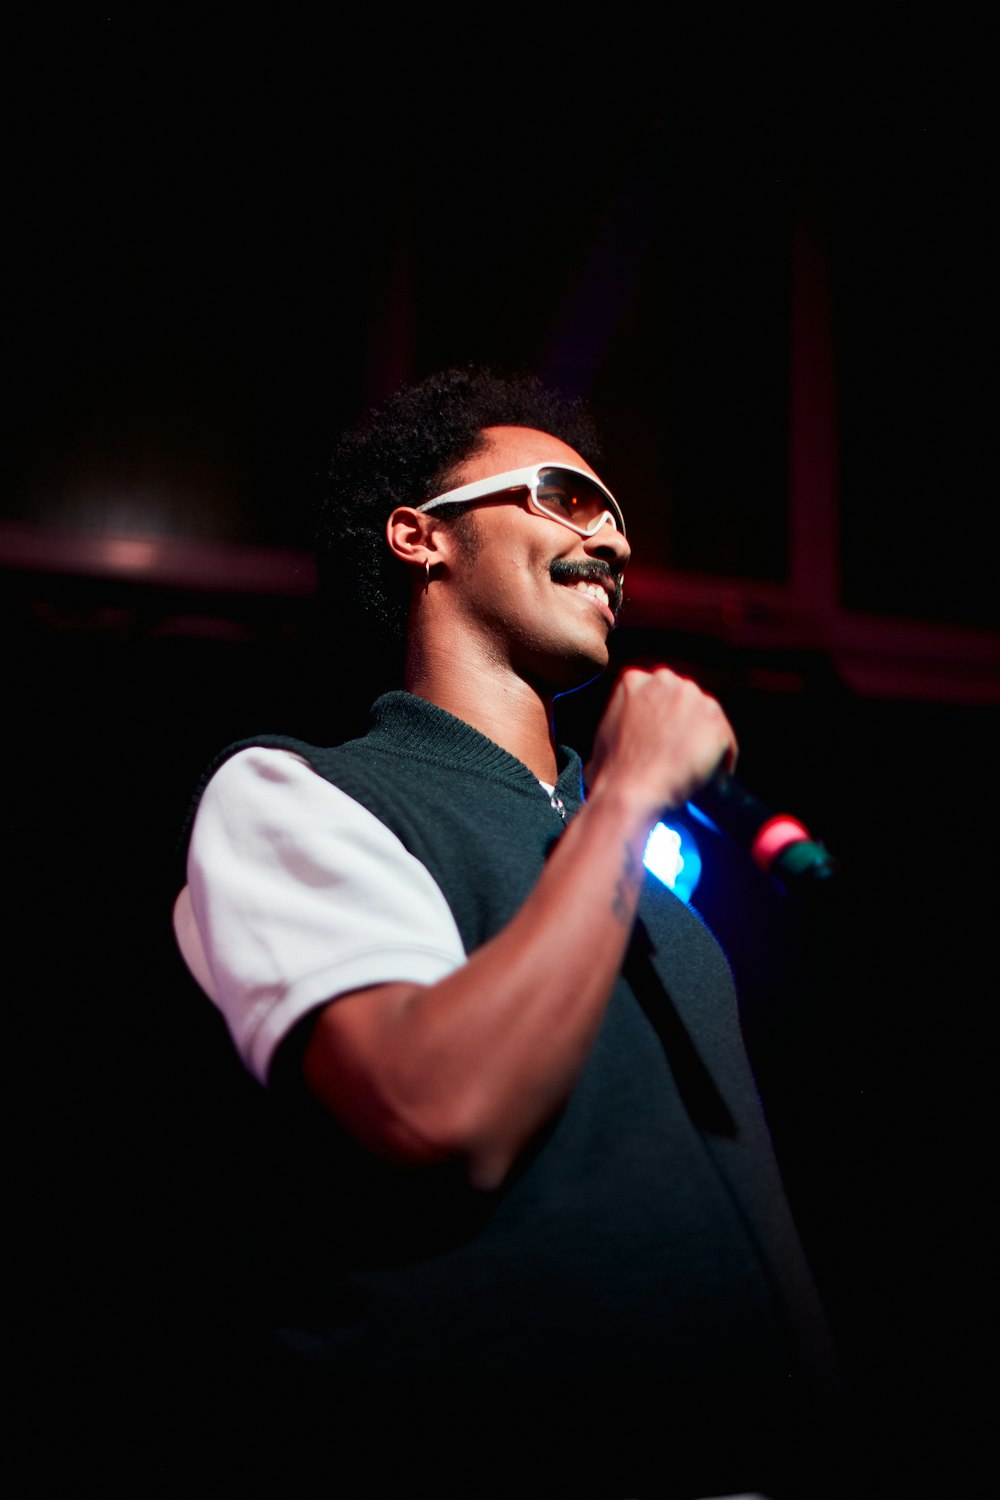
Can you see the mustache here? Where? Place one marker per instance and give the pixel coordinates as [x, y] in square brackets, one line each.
[593, 570]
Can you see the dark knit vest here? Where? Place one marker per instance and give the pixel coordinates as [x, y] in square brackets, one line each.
[645, 1231]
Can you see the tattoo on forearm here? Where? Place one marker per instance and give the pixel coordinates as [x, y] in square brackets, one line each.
[627, 887]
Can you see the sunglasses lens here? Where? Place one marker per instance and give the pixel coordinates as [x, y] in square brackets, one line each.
[572, 497]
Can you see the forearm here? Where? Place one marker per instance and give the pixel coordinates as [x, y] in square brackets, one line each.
[474, 1066]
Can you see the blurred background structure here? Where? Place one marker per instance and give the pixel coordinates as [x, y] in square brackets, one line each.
[769, 265]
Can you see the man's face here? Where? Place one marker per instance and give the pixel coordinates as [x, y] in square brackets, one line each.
[532, 593]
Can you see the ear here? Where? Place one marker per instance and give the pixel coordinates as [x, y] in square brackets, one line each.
[417, 538]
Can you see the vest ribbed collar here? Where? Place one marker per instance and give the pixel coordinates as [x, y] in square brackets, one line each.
[414, 727]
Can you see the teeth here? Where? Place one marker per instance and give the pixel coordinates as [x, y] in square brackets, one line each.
[593, 591]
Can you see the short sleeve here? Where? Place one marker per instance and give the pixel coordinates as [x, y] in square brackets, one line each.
[296, 894]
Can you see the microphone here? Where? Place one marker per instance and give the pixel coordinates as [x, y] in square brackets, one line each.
[778, 843]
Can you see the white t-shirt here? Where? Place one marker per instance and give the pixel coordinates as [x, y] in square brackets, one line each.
[296, 894]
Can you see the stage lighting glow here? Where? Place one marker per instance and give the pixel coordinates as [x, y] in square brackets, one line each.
[672, 856]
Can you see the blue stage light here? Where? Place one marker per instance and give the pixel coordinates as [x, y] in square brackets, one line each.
[673, 857]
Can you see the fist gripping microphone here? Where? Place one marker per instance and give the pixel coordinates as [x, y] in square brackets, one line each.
[778, 843]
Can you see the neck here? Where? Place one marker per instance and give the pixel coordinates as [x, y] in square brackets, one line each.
[511, 712]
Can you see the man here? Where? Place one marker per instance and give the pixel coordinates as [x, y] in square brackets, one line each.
[537, 1239]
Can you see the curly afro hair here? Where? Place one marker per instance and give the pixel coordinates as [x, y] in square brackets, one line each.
[402, 453]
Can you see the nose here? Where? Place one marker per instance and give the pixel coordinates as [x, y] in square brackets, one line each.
[610, 545]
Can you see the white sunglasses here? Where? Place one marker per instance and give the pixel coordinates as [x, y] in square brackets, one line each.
[559, 492]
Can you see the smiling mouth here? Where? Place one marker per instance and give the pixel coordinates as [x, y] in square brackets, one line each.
[594, 580]
[591, 591]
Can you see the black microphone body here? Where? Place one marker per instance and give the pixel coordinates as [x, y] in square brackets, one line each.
[779, 843]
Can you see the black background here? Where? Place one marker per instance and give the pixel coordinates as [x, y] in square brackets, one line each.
[222, 241]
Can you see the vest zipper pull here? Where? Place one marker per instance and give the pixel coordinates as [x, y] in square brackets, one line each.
[559, 805]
